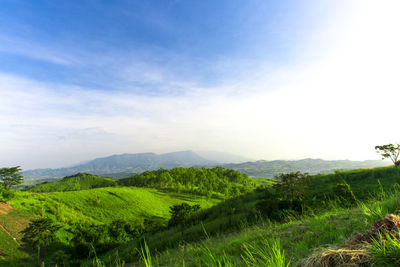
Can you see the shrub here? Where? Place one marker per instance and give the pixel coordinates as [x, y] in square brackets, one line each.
[344, 193]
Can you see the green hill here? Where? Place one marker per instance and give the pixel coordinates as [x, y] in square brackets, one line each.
[257, 228]
[79, 181]
[95, 206]
[220, 232]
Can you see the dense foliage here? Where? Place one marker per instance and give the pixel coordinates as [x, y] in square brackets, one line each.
[79, 181]
[200, 181]
[10, 177]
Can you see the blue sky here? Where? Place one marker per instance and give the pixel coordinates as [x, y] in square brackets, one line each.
[266, 79]
[87, 43]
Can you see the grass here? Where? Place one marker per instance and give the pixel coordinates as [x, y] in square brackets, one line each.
[293, 241]
[385, 250]
[11, 223]
[263, 181]
[209, 243]
[102, 205]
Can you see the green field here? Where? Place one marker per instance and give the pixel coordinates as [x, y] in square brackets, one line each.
[102, 205]
[225, 232]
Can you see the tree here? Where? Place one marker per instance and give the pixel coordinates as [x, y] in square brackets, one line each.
[39, 234]
[294, 183]
[389, 151]
[10, 176]
[180, 214]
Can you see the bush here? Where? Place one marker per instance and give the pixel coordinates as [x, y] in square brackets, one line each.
[344, 194]
[6, 194]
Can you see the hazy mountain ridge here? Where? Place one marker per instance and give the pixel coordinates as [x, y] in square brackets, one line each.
[120, 166]
[269, 169]
[125, 163]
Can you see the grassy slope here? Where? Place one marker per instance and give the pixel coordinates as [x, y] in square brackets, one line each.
[101, 205]
[11, 223]
[298, 237]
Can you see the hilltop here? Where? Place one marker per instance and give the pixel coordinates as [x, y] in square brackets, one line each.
[79, 181]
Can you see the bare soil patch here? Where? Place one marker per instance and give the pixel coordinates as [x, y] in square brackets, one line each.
[5, 208]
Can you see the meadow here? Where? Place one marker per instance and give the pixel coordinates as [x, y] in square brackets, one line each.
[264, 226]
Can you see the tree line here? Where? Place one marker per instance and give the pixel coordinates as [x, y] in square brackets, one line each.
[202, 181]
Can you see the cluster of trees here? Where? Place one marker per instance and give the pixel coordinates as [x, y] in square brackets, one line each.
[87, 239]
[202, 181]
[284, 196]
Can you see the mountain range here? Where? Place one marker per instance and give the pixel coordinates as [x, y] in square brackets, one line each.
[123, 165]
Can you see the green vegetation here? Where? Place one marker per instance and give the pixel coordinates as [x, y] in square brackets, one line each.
[79, 181]
[284, 222]
[270, 169]
[390, 151]
[10, 177]
[82, 213]
[199, 181]
[39, 234]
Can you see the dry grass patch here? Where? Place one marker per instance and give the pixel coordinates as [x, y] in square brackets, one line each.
[354, 252]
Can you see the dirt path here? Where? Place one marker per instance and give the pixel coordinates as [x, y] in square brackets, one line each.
[5, 208]
[5, 230]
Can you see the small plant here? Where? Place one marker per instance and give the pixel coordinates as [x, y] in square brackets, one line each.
[385, 250]
[344, 193]
[145, 255]
[269, 254]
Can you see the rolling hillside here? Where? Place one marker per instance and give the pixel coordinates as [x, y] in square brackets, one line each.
[94, 206]
[230, 232]
[228, 235]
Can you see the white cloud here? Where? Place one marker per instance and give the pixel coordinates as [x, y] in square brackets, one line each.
[339, 103]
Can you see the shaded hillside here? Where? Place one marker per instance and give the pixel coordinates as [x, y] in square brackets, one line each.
[324, 219]
[80, 181]
[270, 169]
[127, 163]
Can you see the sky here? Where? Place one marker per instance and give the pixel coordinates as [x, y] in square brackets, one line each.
[263, 79]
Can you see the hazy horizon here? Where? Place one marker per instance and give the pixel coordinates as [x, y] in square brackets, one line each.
[261, 79]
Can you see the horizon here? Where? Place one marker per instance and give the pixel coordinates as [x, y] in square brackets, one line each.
[262, 79]
[197, 153]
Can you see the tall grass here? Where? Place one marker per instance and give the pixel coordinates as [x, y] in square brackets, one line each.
[146, 255]
[385, 250]
[269, 254]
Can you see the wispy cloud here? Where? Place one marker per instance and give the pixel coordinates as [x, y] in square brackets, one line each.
[338, 102]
